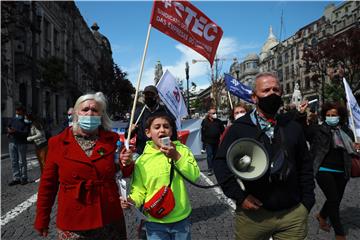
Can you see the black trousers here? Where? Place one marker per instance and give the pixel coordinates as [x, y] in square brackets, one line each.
[333, 186]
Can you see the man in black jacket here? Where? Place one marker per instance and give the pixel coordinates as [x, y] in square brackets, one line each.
[270, 206]
[211, 130]
[17, 132]
[152, 106]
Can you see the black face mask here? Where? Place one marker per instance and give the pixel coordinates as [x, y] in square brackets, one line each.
[150, 102]
[270, 104]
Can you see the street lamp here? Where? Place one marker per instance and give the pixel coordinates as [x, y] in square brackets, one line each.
[187, 85]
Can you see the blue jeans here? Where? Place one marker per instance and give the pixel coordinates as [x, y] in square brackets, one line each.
[168, 231]
[211, 150]
[17, 154]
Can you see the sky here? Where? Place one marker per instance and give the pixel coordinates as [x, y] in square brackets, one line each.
[245, 25]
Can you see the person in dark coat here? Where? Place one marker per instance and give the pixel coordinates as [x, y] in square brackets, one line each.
[152, 106]
[211, 130]
[17, 132]
[276, 204]
[331, 150]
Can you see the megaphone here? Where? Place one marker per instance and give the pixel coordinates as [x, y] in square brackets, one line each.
[247, 159]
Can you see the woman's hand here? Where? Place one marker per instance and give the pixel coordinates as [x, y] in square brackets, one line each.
[170, 152]
[126, 157]
[126, 204]
[43, 232]
[357, 147]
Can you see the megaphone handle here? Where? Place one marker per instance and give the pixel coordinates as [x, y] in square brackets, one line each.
[240, 183]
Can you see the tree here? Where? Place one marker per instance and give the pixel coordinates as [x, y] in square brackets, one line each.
[53, 72]
[335, 57]
[119, 91]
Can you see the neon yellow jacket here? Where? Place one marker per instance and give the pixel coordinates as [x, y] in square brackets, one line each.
[152, 171]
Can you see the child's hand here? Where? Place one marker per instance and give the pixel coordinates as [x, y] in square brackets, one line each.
[125, 157]
[171, 152]
[126, 204]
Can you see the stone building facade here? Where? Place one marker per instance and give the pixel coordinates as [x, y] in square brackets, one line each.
[285, 58]
[49, 58]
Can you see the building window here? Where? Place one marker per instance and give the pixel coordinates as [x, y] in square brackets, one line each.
[279, 61]
[287, 88]
[286, 57]
[286, 73]
[56, 43]
[47, 38]
[280, 75]
[307, 83]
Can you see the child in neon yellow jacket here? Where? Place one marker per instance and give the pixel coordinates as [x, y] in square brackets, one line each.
[152, 171]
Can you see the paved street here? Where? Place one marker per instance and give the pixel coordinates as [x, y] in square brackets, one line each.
[212, 216]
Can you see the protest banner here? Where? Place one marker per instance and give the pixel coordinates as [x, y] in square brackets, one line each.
[185, 23]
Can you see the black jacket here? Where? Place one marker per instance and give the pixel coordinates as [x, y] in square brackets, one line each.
[141, 137]
[211, 130]
[298, 188]
[321, 145]
[22, 130]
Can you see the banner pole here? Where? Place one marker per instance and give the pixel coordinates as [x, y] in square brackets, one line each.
[231, 105]
[127, 142]
[143, 109]
[350, 112]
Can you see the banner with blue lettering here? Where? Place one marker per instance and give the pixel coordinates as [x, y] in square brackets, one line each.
[238, 89]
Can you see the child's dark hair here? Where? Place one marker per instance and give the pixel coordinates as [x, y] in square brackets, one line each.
[154, 116]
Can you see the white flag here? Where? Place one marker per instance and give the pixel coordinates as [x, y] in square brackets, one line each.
[354, 109]
[171, 96]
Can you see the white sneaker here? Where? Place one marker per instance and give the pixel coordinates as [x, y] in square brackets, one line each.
[203, 151]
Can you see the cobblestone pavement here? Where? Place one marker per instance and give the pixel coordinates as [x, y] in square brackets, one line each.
[212, 217]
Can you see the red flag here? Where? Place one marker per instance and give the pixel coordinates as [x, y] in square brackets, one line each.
[184, 22]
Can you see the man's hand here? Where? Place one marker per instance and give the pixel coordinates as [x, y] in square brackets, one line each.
[303, 106]
[125, 157]
[251, 203]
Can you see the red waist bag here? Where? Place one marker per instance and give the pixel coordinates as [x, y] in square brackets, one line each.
[163, 202]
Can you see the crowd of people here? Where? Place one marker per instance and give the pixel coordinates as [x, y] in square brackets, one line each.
[80, 165]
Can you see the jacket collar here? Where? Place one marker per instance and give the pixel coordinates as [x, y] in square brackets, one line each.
[105, 145]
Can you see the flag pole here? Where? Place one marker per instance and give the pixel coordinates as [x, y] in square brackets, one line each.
[143, 109]
[231, 105]
[350, 111]
[127, 142]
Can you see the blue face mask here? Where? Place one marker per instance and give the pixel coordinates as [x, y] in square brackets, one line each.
[332, 121]
[70, 118]
[19, 116]
[27, 121]
[89, 123]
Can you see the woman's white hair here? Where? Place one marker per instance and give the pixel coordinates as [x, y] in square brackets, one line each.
[99, 98]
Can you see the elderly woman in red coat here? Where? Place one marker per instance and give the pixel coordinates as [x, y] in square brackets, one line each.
[80, 167]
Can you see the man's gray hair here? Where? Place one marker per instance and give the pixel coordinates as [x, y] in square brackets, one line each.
[99, 98]
[264, 74]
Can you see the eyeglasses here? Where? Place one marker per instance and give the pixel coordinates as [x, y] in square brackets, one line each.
[212, 113]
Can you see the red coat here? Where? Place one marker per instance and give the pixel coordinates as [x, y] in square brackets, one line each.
[88, 196]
